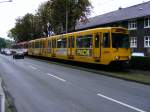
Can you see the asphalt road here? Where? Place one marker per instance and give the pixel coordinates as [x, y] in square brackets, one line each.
[39, 86]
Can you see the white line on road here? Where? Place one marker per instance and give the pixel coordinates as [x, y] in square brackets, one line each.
[54, 76]
[121, 103]
[32, 67]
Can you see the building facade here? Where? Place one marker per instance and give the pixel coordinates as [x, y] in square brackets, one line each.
[135, 18]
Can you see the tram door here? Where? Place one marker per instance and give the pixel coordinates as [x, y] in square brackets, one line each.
[70, 49]
[44, 47]
[97, 49]
[40, 47]
[105, 48]
[53, 47]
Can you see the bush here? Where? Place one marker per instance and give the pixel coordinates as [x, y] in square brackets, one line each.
[142, 63]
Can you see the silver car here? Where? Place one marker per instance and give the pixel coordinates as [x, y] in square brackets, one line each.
[18, 54]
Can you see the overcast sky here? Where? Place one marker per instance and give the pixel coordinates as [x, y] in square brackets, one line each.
[9, 11]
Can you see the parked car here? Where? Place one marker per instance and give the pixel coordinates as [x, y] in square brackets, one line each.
[7, 52]
[2, 51]
[18, 54]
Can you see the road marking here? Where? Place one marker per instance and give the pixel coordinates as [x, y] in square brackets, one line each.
[54, 76]
[121, 103]
[32, 67]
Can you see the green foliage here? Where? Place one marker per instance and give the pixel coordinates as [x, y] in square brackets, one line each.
[5, 43]
[76, 10]
[142, 63]
[2, 43]
[54, 12]
[44, 16]
[23, 29]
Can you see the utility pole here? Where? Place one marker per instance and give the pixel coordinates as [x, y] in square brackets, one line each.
[66, 20]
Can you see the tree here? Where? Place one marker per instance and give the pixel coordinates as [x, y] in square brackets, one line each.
[24, 28]
[55, 12]
[74, 10]
[2, 43]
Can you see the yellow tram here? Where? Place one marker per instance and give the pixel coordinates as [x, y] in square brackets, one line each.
[99, 45]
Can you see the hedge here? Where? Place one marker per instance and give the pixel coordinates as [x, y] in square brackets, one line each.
[142, 63]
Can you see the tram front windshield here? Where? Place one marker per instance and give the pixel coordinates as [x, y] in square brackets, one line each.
[120, 40]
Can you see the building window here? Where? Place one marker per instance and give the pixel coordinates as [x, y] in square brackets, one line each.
[132, 24]
[147, 22]
[146, 41]
[133, 42]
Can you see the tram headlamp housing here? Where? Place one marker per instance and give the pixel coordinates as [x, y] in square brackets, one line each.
[129, 57]
[117, 57]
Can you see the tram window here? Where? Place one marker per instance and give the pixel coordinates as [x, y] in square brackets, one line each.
[41, 44]
[36, 45]
[84, 41]
[79, 42]
[33, 45]
[54, 44]
[106, 42]
[61, 43]
[28, 46]
[120, 40]
[49, 44]
[71, 41]
[97, 41]
[64, 42]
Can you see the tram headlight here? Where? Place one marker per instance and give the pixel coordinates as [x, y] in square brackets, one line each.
[117, 57]
[129, 57]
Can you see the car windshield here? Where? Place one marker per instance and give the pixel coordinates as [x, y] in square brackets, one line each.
[120, 40]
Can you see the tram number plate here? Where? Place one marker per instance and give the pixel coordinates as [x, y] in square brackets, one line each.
[84, 52]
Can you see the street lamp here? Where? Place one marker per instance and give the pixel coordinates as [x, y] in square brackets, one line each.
[6, 1]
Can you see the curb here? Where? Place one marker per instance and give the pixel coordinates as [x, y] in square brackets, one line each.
[2, 98]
